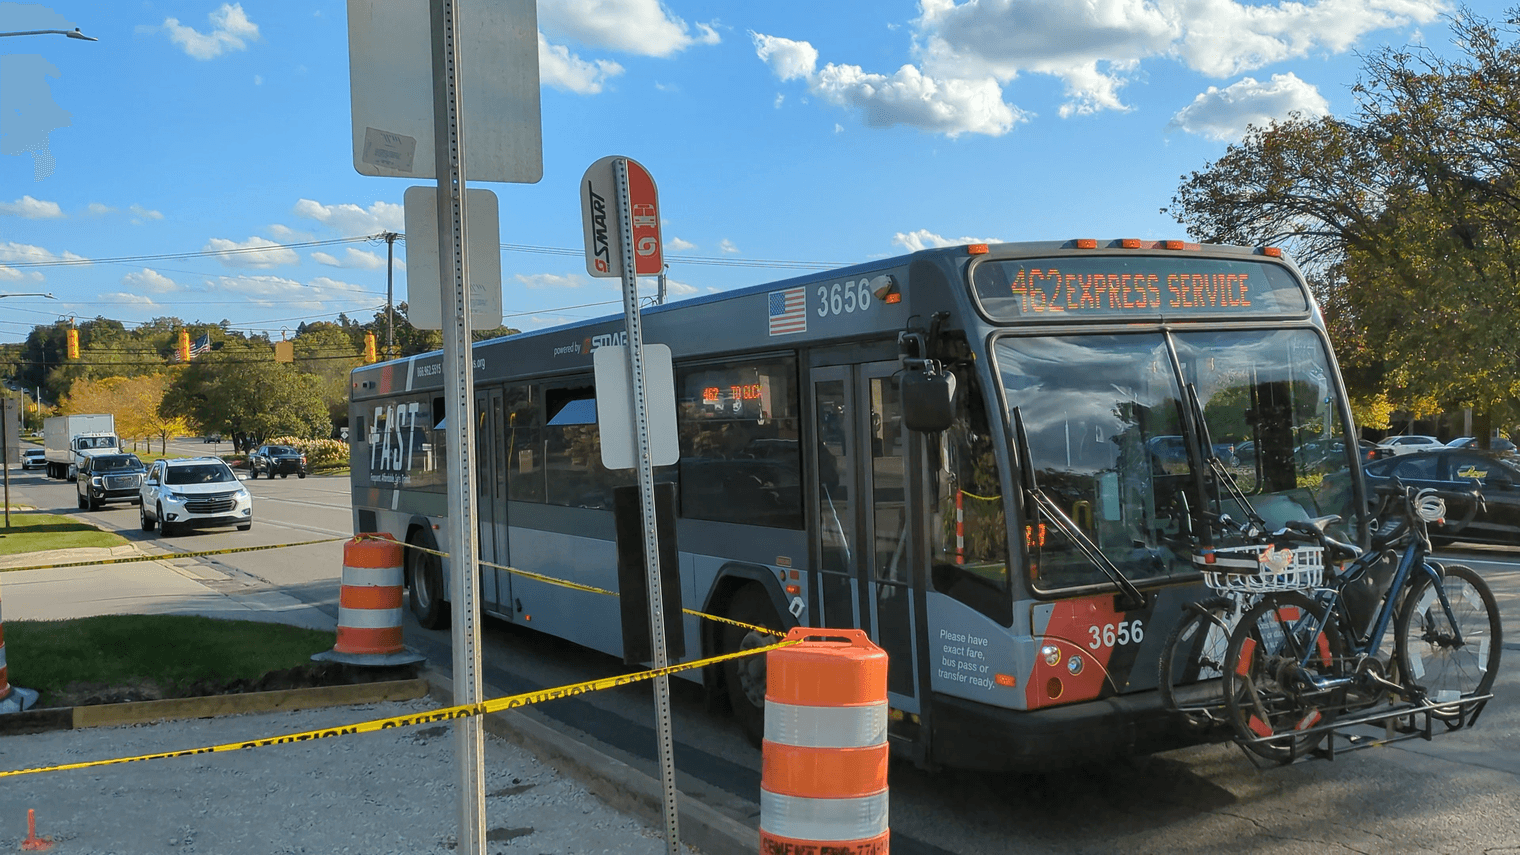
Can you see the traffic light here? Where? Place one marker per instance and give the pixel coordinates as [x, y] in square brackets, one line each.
[183, 350]
[369, 348]
[73, 340]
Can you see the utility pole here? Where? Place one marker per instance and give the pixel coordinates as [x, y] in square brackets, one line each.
[390, 309]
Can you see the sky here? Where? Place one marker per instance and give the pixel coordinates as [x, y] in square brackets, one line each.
[197, 161]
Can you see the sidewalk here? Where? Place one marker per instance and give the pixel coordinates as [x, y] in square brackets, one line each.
[153, 586]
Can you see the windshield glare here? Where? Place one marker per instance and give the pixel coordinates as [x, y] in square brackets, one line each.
[116, 462]
[1107, 437]
[209, 473]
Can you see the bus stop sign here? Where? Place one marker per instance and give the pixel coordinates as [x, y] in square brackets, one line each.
[599, 217]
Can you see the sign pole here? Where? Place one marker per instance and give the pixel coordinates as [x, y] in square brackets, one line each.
[646, 495]
[459, 410]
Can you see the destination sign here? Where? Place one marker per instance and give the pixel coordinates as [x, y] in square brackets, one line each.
[1108, 286]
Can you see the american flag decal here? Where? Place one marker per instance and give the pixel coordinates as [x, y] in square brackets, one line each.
[788, 311]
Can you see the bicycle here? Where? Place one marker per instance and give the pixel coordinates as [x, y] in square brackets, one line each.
[1296, 663]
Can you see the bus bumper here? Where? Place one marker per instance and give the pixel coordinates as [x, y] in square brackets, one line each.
[979, 737]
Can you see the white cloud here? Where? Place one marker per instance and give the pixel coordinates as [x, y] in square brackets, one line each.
[966, 52]
[678, 289]
[550, 280]
[149, 280]
[248, 254]
[351, 220]
[96, 209]
[788, 59]
[230, 30]
[32, 209]
[10, 274]
[25, 252]
[288, 234]
[924, 239]
[560, 68]
[675, 243]
[141, 214]
[352, 257]
[128, 298]
[1223, 114]
[640, 27]
[727, 245]
[288, 293]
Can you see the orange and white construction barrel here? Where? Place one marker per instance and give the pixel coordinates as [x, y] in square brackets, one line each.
[12, 698]
[823, 784]
[370, 605]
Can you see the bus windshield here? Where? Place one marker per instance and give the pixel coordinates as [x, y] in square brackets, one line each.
[1110, 442]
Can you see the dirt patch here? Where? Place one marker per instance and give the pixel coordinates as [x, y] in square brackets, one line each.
[315, 675]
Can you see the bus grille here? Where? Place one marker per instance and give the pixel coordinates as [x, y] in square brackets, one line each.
[213, 504]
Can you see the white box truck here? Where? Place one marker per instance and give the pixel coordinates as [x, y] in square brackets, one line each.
[67, 440]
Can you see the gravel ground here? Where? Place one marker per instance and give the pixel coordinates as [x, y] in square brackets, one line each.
[384, 792]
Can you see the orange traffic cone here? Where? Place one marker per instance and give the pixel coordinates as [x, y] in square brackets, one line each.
[369, 606]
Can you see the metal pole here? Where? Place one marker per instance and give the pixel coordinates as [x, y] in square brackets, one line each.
[659, 299]
[459, 410]
[390, 308]
[5, 452]
[646, 495]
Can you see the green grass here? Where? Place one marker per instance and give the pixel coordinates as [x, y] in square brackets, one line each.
[171, 652]
[36, 532]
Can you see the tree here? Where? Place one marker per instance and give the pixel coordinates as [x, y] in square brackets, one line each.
[326, 352]
[1405, 216]
[241, 391]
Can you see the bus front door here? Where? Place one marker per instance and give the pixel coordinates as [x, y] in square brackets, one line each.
[491, 502]
[861, 515]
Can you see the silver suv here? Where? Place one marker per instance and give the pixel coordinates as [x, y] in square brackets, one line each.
[194, 491]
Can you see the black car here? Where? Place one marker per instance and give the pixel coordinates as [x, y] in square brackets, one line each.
[1495, 478]
[281, 460]
[109, 478]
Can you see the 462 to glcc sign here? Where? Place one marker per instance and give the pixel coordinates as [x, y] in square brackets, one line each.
[601, 218]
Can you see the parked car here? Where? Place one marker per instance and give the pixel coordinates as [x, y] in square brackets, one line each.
[1372, 451]
[194, 491]
[1411, 443]
[34, 458]
[1498, 443]
[109, 478]
[1496, 479]
[281, 460]
[212, 438]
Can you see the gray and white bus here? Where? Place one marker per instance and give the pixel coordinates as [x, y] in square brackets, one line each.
[1021, 563]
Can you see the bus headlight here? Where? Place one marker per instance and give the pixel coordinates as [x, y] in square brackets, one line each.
[1051, 654]
[1074, 665]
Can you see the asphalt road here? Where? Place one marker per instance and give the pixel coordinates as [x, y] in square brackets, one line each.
[1459, 793]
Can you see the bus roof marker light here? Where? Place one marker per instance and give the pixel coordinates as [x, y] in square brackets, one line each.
[888, 291]
[1273, 251]
[1130, 243]
[1086, 243]
[1007, 680]
[976, 249]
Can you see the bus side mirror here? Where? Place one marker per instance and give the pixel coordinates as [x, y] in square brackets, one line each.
[928, 397]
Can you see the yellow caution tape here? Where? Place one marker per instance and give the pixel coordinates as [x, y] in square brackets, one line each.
[574, 586]
[169, 556]
[443, 714]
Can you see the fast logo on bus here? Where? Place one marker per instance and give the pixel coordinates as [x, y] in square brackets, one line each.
[393, 437]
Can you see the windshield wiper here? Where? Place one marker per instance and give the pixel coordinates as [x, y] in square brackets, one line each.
[1131, 597]
[1221, 473]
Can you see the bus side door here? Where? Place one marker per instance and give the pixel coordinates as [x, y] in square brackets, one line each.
[859, 515]
[491, 498]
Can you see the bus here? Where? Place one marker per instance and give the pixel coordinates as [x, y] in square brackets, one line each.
[998, 460]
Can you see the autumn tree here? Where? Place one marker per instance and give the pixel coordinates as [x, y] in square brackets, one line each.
[1404, 215]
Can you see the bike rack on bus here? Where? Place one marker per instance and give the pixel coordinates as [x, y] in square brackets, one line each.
[1398, 723]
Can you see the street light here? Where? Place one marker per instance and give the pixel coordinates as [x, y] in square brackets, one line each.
[73, 34]
[48, 295]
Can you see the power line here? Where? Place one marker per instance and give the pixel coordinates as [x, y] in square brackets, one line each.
[205, 253]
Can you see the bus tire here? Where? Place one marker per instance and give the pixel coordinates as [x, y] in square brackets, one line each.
[744, 679]
[424, 576]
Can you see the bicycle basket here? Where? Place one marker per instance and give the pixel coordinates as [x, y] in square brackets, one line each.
[1262, 568]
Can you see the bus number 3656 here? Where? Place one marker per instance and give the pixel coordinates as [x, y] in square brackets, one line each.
[843, 298]
[1128, 632]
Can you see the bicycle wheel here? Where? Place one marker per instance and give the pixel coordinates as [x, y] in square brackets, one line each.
[1191, 672]
[1430, 656]
[1269, 701]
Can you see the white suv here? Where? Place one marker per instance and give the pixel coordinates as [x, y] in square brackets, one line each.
[1411, 443]
[194, 491]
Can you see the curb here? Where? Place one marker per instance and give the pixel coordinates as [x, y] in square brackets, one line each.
[616, 783]
[138, 712]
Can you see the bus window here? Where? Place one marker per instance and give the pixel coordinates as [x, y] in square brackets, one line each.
[1103, 417]
[740, 460]
[1272, 415]
[970, 529]
[573, 452]
[524, 444]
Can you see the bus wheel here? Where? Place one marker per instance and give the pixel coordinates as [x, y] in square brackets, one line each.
[744, 678]
[424, 575]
